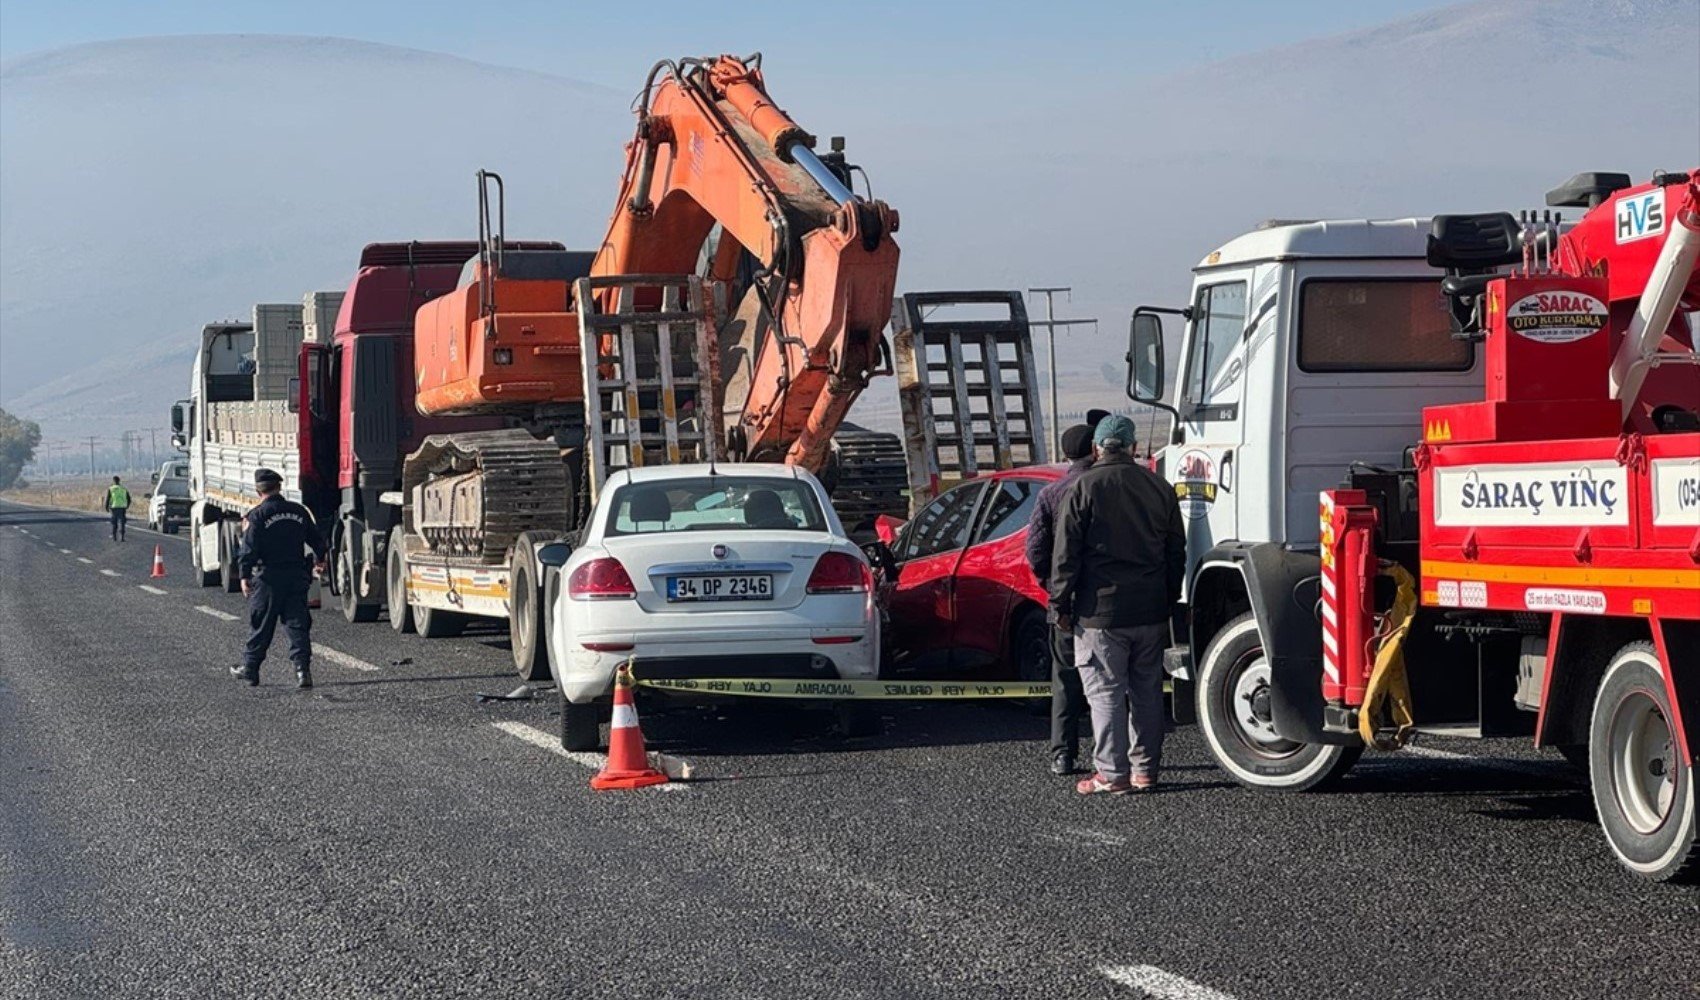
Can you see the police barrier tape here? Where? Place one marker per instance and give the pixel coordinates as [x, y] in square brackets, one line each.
[753, 687]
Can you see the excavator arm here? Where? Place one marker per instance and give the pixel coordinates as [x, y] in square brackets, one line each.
[720, 182]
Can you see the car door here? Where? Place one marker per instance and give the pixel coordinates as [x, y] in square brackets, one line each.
[992, 573]
[922, 600]
[1212, 414]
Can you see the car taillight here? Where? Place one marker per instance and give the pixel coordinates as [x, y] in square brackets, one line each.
[600, 580]
[840, 573]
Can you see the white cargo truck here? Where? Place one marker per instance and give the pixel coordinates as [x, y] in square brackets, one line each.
[239, 417]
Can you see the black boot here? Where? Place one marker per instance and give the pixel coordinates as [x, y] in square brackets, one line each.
[1062, 762]
[245, 673]
[303, 678]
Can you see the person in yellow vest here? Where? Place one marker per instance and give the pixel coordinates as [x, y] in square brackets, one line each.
[117, 503]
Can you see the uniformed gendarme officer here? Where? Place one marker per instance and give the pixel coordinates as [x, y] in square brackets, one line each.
[276, 577]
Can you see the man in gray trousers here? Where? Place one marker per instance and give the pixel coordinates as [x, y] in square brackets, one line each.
[1120, 553]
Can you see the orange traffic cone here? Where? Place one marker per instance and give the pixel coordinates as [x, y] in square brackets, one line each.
[628, 765]
[158, 563]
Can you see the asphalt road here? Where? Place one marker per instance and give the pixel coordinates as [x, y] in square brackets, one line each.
[168, 832]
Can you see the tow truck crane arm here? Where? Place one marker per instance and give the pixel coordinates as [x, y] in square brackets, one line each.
[717, 170]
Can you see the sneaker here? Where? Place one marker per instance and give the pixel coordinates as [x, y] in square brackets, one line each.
[303, 678]
[1097, 784]
[1062, 763]
[249, 674]
[1141, 783]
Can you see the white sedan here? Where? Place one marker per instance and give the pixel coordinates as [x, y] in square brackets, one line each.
[707, 572]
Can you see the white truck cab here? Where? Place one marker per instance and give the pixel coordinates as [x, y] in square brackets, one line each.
[1309, 348]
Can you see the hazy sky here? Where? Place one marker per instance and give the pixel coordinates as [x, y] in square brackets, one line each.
[887, 39]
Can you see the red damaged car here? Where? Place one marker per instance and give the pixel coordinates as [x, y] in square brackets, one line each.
[955, 585]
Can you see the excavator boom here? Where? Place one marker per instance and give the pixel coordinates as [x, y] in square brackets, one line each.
[719, 181]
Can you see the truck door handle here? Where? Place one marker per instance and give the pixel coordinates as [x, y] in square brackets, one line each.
[1227, 467]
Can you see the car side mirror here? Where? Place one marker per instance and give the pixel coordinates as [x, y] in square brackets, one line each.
[554, 554]
[880, 554]
[154, 478]
[1145, 374]
[886, 528]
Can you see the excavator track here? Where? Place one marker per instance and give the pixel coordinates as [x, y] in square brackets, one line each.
[471, 495]
[868, 477]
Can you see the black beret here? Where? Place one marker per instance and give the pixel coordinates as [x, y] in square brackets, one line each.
[266, 476]
[1077, 442]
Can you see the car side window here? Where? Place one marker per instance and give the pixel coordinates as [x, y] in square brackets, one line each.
[1008, 510]
[941, 526]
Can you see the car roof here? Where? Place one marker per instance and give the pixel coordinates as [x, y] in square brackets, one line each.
[696, 470]
[1053, 471]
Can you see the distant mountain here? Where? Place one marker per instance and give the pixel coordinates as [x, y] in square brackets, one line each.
[149, 185]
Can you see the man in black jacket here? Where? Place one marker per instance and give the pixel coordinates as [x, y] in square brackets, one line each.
[1120, 556]
[1068, 701]
[276, 576]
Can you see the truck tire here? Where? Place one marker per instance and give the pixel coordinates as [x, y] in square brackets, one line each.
[395, 591]
[1233, 713]
[528, 615]
[355, 609]
[435, 623]
[581, 726]
[229, 548]
[1643, 789]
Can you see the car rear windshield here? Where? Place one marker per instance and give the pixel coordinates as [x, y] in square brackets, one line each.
[715, 503]
[178, 488]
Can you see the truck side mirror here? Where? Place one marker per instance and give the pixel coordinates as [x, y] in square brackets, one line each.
[154, 478]
[292, 395]
[554, 554]
[1145, 375]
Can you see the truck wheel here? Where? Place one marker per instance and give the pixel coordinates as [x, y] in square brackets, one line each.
[581, 726]
[230, 544]
[401, 614]
[1233, 712]
[355, 608]
[527, 615]
[1643, 790]
[434, 623]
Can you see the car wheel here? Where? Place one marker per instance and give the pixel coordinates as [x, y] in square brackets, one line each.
[581, 726]
[1233, 712]
[528, 628]
[435, 623]
[395, 591]
[1643, 789]
[1031, 647]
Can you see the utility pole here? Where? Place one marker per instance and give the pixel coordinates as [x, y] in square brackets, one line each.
[153, 444]
[1050, 323]
[92, 477]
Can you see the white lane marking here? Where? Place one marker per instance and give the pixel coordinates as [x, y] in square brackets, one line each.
[85, 561]
[151, 590]
[1511, 765]
[109, 572]
[542, 740]
[216, 613]
[337, 656]
[1158, 984]
[545, 741]
[66, 551]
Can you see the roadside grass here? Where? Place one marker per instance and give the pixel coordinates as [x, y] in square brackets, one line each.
[82, 497]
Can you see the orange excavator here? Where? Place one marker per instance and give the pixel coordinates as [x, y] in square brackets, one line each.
[762, 281]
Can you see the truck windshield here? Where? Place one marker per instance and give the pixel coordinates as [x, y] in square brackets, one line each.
[714, 503]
